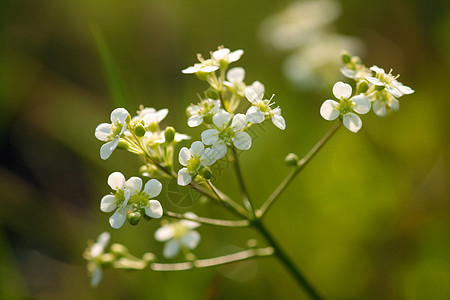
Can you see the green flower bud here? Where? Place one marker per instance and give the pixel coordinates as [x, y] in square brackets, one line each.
[362, 87]
[356, 60]
[212, 93]
[346, 57]
[123, 145]
[206, 173]
[148, 257]
[134, 217]
[107, 259]
[169, 134]
[291, 159]
[202, 75]
[139, 130]
[119, 250]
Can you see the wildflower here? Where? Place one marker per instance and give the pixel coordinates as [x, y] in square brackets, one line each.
[193, 160]
[384, 101]
[261, 109]
[178, 235]
[235, 81]
[205, 109]
[224, 56]
[129, 197]
[389, 82]
[93, 255]
[346, 108]
[111, 133]
[227, 135]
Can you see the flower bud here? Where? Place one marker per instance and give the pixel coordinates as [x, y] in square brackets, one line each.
[148, 257]
[346, 57]
[169, 134]
[212, 93]
[119, 250]
[139, 130]
[134, 217]
[362, 87]
[202, 75]
[206, 173]
[291, 159]
[107, 259]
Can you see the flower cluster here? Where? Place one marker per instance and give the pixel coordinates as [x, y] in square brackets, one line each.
[375, 89]
[224, 127]
[129, 201]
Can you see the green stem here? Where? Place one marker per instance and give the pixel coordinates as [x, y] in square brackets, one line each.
[209, 221]
[228, 203]
[300, 165]
[245, 195]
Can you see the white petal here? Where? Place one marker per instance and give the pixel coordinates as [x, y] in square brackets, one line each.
[190, 70]
[239, 122]
[348, 73]
[279, 121]
[100, 245]
[191, 239]
[154, 209]
[184, 156]
[219, 149]
[379, 108]
[164, 233]
[197, 148]
[119, 115]
[209, 69]
[374, 81]
[181, 137]
[153, 188]
[236, 75]
[406, 90]
[161, 114]
[394, 91]
[208, 157]
[221, 53]
[116, 181]
[328, 110]
[190, 224]
[134, 185]
[362, 104]
[118, 218]
[171, 249]
[221, 119]
[210, 136]
[235, 55]
[258, 87]
[103, 131]
[107, 149]
[96, 276]
[184, 178]
[342, 90]
[195, 121]
[108, 203]
[395, 105]
[251, 95]
[377, 69]
[254, 115]
[242, 140]
[352, 122]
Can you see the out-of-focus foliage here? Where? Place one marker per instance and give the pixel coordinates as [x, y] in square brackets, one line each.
[369, 218]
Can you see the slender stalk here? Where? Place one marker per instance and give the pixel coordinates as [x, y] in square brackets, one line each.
[216, 261]
[209, 221]
[286, 261]
[244, 191]
[300, 165]
[227, 202]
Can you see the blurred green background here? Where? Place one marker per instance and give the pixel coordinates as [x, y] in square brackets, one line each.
[369, 218]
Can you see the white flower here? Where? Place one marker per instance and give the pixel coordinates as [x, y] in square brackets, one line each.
[206, 108]
[224, 55]
[178, 235]
[111, 133]
[235, 80]
[359, 73]
[93, 254]
[205, 66]
[193, 160]
[150, 116]
[331, 109]
[128, 196]
[226, 135]
[261, 108]
[389, 82]
[384, 101]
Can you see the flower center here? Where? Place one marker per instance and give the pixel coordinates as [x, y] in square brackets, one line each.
[345, 106]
